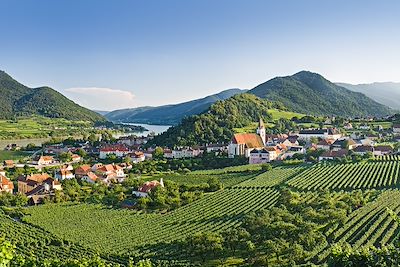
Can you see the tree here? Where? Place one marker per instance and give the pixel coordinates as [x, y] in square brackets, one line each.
[205, 245]
[65, 157]
[158, 153]
[7, 251]
[266, 167]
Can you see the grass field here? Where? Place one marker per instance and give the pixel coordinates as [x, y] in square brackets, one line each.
[13, 155]
[281, 114]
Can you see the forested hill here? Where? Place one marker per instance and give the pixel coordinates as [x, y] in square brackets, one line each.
[217, 123]
[17, 99]
[310, 93]
[169, 114]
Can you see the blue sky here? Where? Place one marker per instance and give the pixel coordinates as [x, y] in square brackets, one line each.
[117, 54]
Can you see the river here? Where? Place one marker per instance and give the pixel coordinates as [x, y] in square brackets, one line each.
[157, 129]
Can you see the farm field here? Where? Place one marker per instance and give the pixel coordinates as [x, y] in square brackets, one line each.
[13, 155]
[30, 240]
[91, 225]
[36, 127]
[382, 173]
[227, 179]
[116, 232]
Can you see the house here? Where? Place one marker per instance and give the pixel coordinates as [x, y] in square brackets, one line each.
[363, 149]
[9, 163]
[111, 172]
[118, 150]
[292, 151]
[28, 183]
[45, 160]
[82, 171]
[137, 157]
[382, 150]
[217, 148]
[43, 190]
[396, 128]
[324, 144]
[367, 142]
[144, 190]
[63, 174]
[76, 158]
[182, 153]
[6, 185]
[327, 133]
[334, 154]
[90, 177]
[348, 126]
[258, 156]
[344, 143]
[274, 139]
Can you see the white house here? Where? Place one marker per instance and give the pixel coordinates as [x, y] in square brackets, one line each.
[137, 157]
[329, 133]
[118, 150]
[90, 177]
[63, 174]
[258, 156]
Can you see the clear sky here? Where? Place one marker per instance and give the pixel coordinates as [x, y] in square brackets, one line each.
[116, 54]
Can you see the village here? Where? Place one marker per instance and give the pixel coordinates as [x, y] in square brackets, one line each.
[109, 163]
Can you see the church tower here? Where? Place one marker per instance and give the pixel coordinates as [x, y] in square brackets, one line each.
[261, 131]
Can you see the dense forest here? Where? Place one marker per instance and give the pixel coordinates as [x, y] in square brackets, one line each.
[310, 93]
[19, 100]
[217, 123]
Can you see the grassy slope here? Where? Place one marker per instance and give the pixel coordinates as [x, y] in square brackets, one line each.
[13, 155]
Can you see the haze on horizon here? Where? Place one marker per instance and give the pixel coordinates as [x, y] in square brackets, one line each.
[108, 55]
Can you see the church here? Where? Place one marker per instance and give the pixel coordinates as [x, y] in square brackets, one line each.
[243, 143]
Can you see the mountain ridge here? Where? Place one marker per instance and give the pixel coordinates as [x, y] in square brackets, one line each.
[170, 114]
[17, 99]
[310, 93]
[387, 93]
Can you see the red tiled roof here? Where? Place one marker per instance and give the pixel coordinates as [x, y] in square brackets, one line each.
[114, 148]
[148, 186]
[5, 182]
[251, 140]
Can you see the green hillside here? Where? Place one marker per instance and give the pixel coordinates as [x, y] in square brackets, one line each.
[310, 93]
[19, 100]
[169, 114]
[217, 123]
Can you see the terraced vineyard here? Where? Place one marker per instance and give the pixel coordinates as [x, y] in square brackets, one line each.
[369, 225]
[271, 178]
[30, 240]
[91, 225]
[377, 174]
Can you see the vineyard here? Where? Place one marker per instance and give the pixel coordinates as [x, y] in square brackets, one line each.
[369, 225]
[271, 178]
[31, 240]
[125, 233]
[122, 231]
[377, 174]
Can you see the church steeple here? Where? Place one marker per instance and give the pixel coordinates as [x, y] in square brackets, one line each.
[261, 131]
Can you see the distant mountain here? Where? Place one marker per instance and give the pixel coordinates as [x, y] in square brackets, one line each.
[386, 93]
[310, 93]
[17, 99]
[101, 112]
[169, 114]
